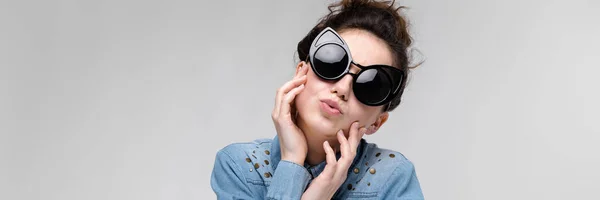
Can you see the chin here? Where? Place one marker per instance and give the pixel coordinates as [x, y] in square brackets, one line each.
[313, 121]
[318, 124]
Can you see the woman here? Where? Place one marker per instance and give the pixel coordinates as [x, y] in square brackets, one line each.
[352, 73]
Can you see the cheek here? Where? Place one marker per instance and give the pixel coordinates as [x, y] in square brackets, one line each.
[314, 85]
[314, 88]
[309, 91]
[363, 113]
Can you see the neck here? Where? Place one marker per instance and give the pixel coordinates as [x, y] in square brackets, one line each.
[314, 141]
[316, 153]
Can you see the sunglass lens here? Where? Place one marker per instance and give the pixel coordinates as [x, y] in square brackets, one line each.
[372, 86]
[330, 61]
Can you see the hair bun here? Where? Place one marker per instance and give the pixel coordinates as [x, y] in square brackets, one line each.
[353, 4]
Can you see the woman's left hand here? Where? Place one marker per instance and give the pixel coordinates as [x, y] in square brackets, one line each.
[336, 171]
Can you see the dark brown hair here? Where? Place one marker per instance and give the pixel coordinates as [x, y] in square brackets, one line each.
[381, 18]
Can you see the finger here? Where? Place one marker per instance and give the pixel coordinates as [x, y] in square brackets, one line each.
[344, 147]
[302, 71]
[355, 135]
[287, 100]
[361, 132]
[330, 168]
[301, 75]
[289, 86]
[305, 69]
[286, 88]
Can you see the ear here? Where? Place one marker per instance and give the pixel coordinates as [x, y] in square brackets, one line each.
[381, 119]
[299, 66]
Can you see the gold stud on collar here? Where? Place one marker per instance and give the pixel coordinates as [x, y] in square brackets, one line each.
[268, 175]
[372, 171]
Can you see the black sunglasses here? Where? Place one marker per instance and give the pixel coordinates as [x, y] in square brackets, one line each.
[373, 85]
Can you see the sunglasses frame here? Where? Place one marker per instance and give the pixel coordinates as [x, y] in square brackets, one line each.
[324, 38]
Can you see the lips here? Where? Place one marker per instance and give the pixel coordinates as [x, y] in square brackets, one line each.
[331, 107]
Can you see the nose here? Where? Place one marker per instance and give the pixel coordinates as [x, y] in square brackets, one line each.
[343, 87]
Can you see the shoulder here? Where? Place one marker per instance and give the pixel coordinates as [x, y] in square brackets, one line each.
[386, 159]
[251, 159]
[245, 148]
[391, 172]
[246, 152]
[378, 171]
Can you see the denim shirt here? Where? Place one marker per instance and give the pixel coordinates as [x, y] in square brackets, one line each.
[254, 170]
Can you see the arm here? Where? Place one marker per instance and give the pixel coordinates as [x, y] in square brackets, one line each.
[290, 178]
[289, 181]
[336, 171]
[227, 179]
[229, 182]
[403, 183]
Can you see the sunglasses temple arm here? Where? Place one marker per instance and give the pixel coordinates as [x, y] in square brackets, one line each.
[358, 65]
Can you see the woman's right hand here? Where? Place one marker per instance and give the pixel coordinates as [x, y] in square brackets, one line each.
[291, 139]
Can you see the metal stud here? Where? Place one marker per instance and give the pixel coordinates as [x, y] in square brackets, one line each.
[372, 171]
[369, 184]
[267, 152]
[248, 160]
[367, 164]
[268, 175]
[392, 155]
[377, 155]
[256, 166]
[251, 169]
[267, 162]
[356, 170]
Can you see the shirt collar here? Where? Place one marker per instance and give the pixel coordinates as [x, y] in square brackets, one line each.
[317, 169]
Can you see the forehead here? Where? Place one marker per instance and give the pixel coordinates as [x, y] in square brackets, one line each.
[366, 48]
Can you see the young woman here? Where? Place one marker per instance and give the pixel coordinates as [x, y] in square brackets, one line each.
[353, 70]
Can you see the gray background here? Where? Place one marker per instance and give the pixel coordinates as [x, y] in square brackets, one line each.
[131, 99]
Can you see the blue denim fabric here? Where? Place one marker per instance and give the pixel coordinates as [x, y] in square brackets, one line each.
[254, 170]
